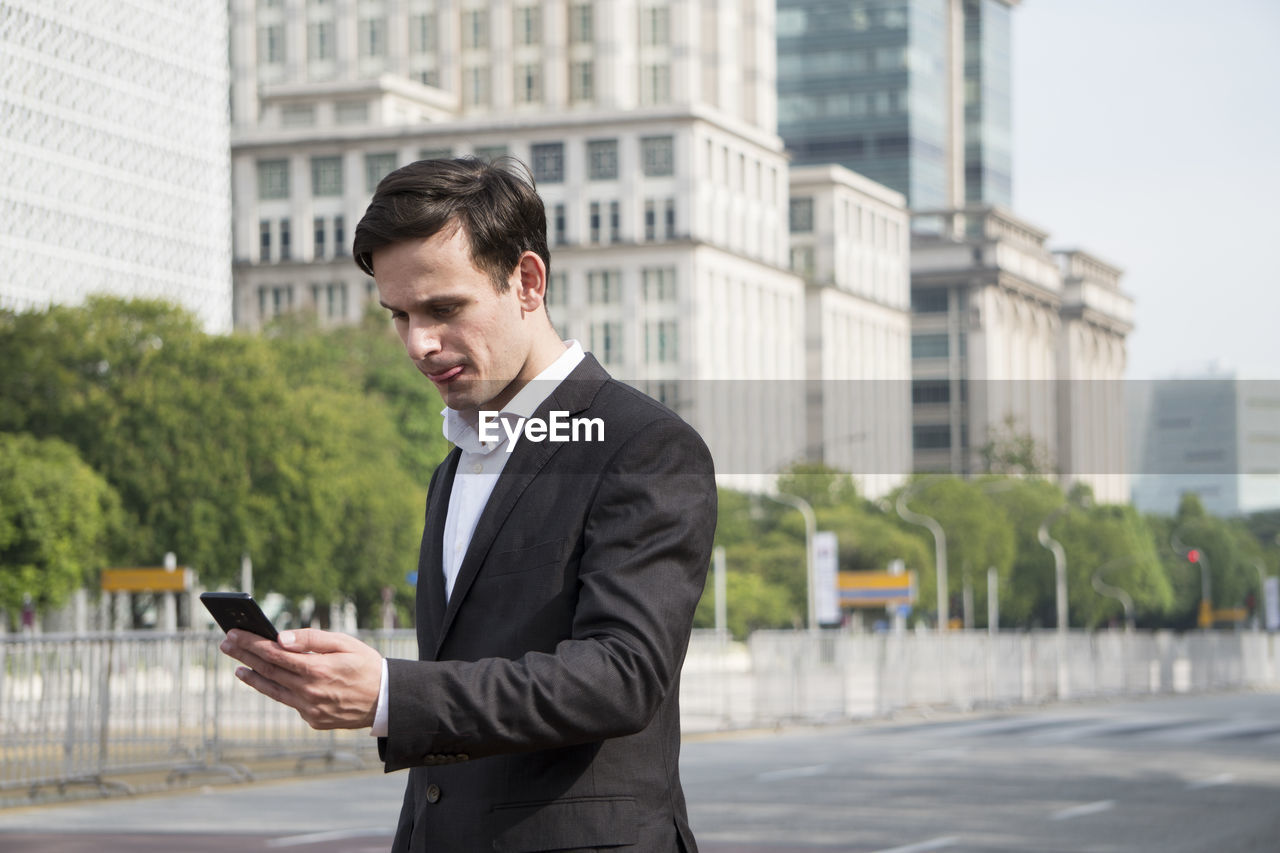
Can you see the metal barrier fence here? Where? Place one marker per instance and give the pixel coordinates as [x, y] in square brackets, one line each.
[145, 710]
[788, 676]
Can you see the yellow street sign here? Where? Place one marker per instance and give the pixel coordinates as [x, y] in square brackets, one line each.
[146, 580]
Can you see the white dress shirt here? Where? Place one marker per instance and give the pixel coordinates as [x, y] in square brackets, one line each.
[479, 467]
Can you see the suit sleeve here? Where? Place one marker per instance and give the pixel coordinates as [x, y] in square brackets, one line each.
[646, 547]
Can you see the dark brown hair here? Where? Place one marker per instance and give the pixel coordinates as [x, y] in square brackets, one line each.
[496, 206]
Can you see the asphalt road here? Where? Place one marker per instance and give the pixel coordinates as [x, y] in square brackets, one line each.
[1174, 775]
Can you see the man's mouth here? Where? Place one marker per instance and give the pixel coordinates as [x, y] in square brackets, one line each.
[445, 376]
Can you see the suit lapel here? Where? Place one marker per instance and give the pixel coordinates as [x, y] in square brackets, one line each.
[573, 395]
[430, 603]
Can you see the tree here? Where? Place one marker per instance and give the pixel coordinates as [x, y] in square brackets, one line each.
[57, 520]
[1009, 451]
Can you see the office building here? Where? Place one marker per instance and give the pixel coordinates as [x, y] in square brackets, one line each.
[1009, 337]
[650, 128]
[914, 94]
[114, 171]
[1214, 436]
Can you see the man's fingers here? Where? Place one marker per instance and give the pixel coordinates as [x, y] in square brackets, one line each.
[313, 640]
[266, 687]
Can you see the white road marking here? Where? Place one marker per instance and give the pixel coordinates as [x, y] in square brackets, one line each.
[932, 844]
[792, 773]
[319, 837]
[1086, 809]
[1211, 782]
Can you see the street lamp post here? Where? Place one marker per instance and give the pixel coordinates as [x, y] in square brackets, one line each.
[1059, 564]
[810, 529]
[939, 551]
[1103, 588]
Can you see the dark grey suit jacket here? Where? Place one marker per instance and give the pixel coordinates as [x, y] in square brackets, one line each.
[544, 711]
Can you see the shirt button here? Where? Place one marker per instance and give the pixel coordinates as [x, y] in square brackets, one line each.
[433, 793]
[477, 468]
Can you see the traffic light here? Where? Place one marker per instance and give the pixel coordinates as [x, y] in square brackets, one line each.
[1193, 556]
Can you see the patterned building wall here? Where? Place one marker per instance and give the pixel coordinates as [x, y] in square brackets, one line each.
[114, 153]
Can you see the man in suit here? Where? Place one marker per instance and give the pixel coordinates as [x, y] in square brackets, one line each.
[557, 578]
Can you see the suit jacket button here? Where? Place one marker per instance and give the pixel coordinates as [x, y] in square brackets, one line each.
[433, 793]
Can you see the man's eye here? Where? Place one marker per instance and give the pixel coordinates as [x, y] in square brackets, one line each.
[398, 315]
[445, 310]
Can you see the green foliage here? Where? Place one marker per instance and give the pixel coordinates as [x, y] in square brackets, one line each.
[57, 518]
[305, 449]
[1011, 452]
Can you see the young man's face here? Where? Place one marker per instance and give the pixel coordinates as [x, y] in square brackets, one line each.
[472, 342]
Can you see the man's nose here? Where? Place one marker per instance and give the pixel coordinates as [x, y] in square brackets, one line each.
[422, 341]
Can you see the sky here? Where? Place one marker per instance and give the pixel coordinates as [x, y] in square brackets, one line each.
[1147, 132]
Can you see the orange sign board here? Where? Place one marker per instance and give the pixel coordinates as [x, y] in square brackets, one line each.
[146, 580]
[876, 589]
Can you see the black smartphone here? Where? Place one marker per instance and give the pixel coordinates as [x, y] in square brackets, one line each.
[238, 610]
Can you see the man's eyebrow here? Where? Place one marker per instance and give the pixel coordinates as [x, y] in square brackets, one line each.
[428, 303]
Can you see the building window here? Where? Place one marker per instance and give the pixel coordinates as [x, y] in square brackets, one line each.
[656, 26]
[660, 342]
[802, 260]
[650, 220]
[606, 342]
[928, 391]
[557, 290]
[604, 287]
[422, 33]
[475, 29]
[377, 167]
[669, 218]
[593, 229]
[659, 284]
[930, 346]
[352, 112]
[655, 83]
[658, 156]
[581, 24]
[931, 300]
[582, 81]
[274, 300]
[528, 83]
[615, 222]
[475, 85]
[271, 44]
[931, 436]
[320, 46]
[602, 159]
[548, 162]
[286, 241]
[559, 224]
[528, 25]
[326, 176]
[339, 237]
[373, 37]
[320, 232]
[489, 153]
[273, 179]
[801, 215]
[435, 154]
[264, 240]
[330, 300]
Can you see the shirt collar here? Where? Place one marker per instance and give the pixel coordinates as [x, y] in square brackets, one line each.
[461, 432]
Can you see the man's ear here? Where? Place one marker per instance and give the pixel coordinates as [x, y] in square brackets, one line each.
[531, 274]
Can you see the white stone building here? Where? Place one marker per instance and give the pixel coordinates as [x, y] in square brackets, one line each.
[849, 238]
[1008, 337]
[649, 127]
[114, 172]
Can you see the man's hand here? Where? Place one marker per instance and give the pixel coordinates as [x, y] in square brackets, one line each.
[330, 679]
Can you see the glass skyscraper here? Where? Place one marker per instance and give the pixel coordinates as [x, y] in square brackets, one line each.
[914, 94]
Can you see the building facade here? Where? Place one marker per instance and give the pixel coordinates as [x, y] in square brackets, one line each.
[114, 171]
[849, 239]
[914, 94]
[1009, 338]
[649, 128]
[1214, 436]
